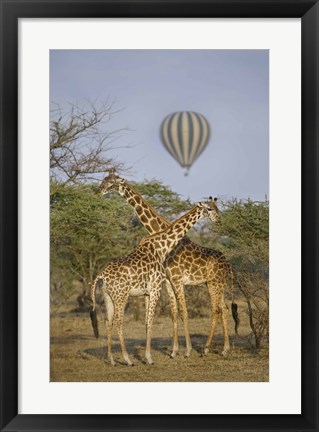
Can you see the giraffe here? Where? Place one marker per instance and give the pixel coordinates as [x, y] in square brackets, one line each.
[189, 263]
[142, 273]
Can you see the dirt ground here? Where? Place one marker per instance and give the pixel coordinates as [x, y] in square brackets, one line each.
[75, 355]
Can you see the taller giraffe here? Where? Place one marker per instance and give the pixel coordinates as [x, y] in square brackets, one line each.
[142, 273]
[188, 263]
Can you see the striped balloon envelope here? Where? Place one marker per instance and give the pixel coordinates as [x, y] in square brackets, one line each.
[185, 135]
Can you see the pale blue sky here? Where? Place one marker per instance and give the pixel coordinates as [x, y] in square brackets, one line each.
[229, 87]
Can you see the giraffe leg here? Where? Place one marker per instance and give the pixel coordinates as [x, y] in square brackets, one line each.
[215, 298]
[109, 324]
[174, 316]
[118, 321]
[179, 291]
[225, 328]
[154, 296]
[147, 302]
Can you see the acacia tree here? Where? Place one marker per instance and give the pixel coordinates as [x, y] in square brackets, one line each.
[80, 140]
[244, 236]
[86, 231]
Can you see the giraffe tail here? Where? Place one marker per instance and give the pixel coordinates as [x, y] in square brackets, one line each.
[93, 314]
[234, 312]
[234, 307]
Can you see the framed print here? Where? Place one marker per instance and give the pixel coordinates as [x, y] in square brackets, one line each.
[124, 127]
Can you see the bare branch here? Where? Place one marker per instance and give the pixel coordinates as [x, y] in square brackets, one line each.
[80, 141]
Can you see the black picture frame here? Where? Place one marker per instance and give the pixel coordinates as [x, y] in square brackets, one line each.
[11, 11]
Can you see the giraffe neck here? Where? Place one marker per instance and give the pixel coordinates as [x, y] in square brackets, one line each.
[172, 235]
[146, 213]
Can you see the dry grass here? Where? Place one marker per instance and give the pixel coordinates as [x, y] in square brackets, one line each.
[77, 356]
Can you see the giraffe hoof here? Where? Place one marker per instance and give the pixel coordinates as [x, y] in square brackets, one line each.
[206, 351]
[173, 354]
[225, 352]
[149, 361]
[112, 363]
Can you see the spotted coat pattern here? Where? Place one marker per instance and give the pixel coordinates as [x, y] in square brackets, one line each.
[187, 264]
[142, 272]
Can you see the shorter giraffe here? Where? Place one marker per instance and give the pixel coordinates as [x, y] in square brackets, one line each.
[142, 272]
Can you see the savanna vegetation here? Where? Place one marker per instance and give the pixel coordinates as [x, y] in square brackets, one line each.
[87, 230]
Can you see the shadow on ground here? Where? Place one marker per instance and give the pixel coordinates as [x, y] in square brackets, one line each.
[162, 345]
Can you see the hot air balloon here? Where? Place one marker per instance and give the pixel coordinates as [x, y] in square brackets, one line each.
[185, 135]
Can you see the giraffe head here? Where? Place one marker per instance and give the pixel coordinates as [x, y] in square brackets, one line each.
[213, 204]
[210, 209]
[111, 183]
